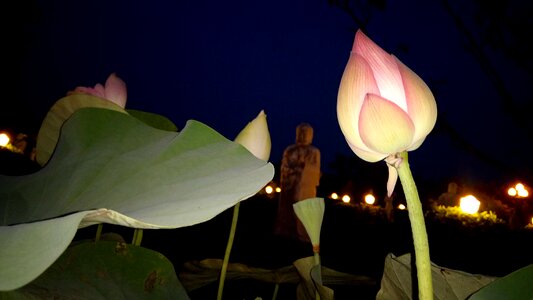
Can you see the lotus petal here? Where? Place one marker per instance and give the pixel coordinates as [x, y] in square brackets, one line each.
[384, 127]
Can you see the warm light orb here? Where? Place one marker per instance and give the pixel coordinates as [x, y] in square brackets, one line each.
[523, 193]
[4, 139]
[346, 199]
[519, 191]
[469, 204]
[370, 199]
[334, 196]
[278, 190]
[401, 206]
[269, 189]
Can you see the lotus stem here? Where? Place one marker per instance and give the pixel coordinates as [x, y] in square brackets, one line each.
[225, 262]
[98, 232]
[317, 259]
[316, 255]
[137, 237]
[276, 289]
[418, 228]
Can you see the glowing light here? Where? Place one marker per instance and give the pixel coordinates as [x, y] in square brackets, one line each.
[401, 207]
[523, 193]
[334, 196]
[4, 139]
[519, 191]
[531, 220]
[278, 190]
[469, 204]
[269, 189]
[370, 199]
[346, 199]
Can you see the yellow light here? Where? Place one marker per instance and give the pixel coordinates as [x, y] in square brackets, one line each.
[278, 190]
[522, 192]
[4, 139]
[519, 190]
[346, 199]
[269, 189]
[532, 220]
[402, 207]
[334, 196]
[469, 204]
[370, 199]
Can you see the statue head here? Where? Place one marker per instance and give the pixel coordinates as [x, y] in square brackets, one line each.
[452, 188]
[304, 134]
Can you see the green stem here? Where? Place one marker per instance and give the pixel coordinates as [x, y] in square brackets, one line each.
[276, 289]
[418, 227]
[316, 255]
[137, 237]
[317, 263]
[228, 250]
[99, 232]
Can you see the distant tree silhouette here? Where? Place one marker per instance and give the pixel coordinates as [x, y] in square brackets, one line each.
[505, 26]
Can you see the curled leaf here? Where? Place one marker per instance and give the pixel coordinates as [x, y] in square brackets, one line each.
[110, 167]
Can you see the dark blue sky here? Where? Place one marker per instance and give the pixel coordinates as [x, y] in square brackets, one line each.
[221, 62]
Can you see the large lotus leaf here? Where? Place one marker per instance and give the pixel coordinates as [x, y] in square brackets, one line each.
[56, 117]
[515, 286]
[118, 170]
[105, 270]
[66, 106]
[324, 292]
[312, 282]
[28, 249]
[154, 120]
[196, 274]
[448, 284]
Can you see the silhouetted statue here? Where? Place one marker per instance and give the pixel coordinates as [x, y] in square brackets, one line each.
[451, 196]
[300, 176]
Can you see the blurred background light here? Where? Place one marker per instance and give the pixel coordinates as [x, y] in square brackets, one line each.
[518, 191]
[346, 198]
[4, 139]
[269, 189]
[370, 199]
[469, 204]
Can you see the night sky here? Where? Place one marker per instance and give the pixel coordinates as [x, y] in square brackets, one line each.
[221, 62]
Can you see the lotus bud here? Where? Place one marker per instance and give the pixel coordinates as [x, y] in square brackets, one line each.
[256, 138]
[114, 90]
[383, 107]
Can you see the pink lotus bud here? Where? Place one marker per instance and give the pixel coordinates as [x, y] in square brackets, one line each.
[383, 107]
[114, 90]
